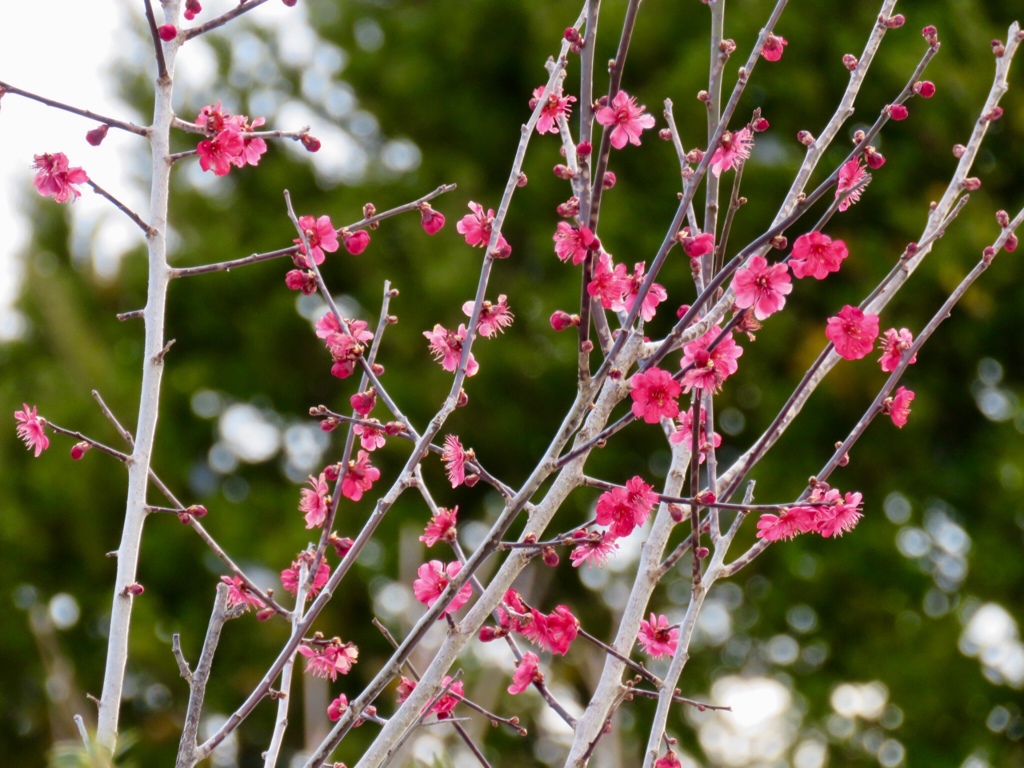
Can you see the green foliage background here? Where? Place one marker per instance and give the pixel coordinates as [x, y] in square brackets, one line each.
[455, 78]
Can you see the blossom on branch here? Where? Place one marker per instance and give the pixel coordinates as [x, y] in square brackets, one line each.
[239, 594]
[290, 575]
[494, 318]
[360, 475]
[772, 48]
[762, 287]
[787, 524]
[841, 515]
[54, 178]
[476, 227]
[446, 347]
[321, 237]
[733, 149]
[433, 578]
[454, 457]
[816, 255]
[893, 344]
[610, 281]
[655, 395]
[684, 433]
[852, 179]
[629, 119]
[332, 660]
[315, 502]
[657, 638]
[553, 632]
[708, 369]
[853, 332]
[592, 548]
[898, 406]
[623, 509]
[526, 672]
[30, 429]
[441, 527]
[556, 105]
[654, 297]
[442, 707]
[574, 242]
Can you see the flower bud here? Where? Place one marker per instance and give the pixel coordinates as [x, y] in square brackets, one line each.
[561, 320]
[290, 3]
[311, 143]
[167, 32]
[569, 208]
[931, 34]
[695, 156]
[608, 180]
[584, 148]
[924, 88]
[341, 545]
[461, 402]
[394, 428]
[563, 172]
[701, 552]
[502, 251]
[1002, 219]
[550, 556]
[994, 114]
[850, 61]
[665, 134]
[805, 137]
[727, 46]
[676, 512]
[264, 614]
[96, 136]
[998, 48]
[972, 183]
[192, 9]
[135, 589]
[356, 242]
[522, 181]
[1010, 245]
[959, 150]
[779, 242]
[197, 511]
[78, 450]
[760, 125]
[431, 220]
[895, 21]
[897, 111]
[874, 158]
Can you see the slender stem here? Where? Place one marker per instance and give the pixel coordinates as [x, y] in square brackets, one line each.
[111, 121]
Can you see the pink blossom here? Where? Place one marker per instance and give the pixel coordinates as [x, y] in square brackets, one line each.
[629, 119]
[315, 502]
[841, 515]
[290, 575]
[301, 280]
[454, 457]
[733, 150]
[762, 287]
[553, 632]
[698, 246]
[708, 369]
[433, 578]
[239, 594]
[321, 236]
[610, 282]
[853, 332]
[657, 638]
[192, 9]
[219, 152]
[899, 406]
[668, 760]
[213, 118]
[441, 527]
[494, 318]
[556, 105]
[446, 347]
[337, 708]
[816, 255]
[684, 433]
[852, 176]
[30, 429]
[592, 548]
[442, 707]
[898, 112]
[370, 437]
[363, 403]
[360, 475]
[476, 227]
[432, 221]
[54, 178]
[772, 48]
[655, 395]
[893, 344]
[511, 611]
[623, 509]
[355, 242]
[332, 660]
[787, 524]
[654, 297]
[253, 147]
[345, 347]
[574, 242]
[526, 672]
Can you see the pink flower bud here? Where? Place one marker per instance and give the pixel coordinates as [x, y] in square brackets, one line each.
[1002, 219]
[972, 183]
[569, 208]
[705, 498]
[701, 552]
[608, 180]
[560, 320]
[895, 22]
[461, 402]
[924, 88]
[676, 512]
[301, 280]
[727, 46]
[779, 242]
[265, 614]
[522, 181]
[167, 32]
[760, 125]
[563, 172]
[290, 3]
[96, 135]
[356, 242]
[78, 450]
[192, 9]
[874, 158]
[1010, 245]
[431, 220]
[695, 156]
[805, 137]
[502, 251]
[665, 134]
[364, 402]
[550, 556]
[134, 589]
[931, 34]
[489, 634]
[998, 48]
[850, 61]
[341, 545]
[332, 472]
[959, 150]
[197, 511]
[584, 148]
[393, 428]
[311, 143]
[897, 111]
[994, 114]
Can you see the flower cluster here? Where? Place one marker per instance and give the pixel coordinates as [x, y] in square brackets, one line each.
[684, 434]
[553, 632]
[826, 512]
[225, 145]
[624, 508]
[330, 660]
[345, 345]
[443, 706]
[706, 367]
[290, 576]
